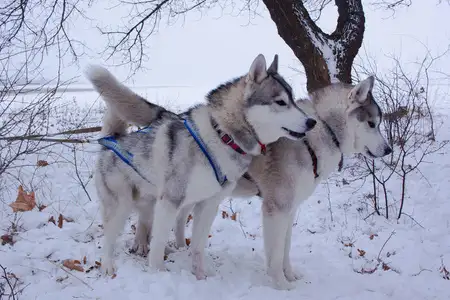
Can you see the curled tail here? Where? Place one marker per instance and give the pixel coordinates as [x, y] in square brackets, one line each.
[123, 105]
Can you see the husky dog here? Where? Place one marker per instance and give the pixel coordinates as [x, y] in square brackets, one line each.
[193, 160]
[348, 122]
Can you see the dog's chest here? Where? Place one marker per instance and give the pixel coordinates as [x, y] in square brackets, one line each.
[305, 178]
[202, 184]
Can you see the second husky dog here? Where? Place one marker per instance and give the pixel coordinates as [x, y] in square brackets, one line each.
[196, 159]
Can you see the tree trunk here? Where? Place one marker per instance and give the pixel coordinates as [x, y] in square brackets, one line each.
[327, 58]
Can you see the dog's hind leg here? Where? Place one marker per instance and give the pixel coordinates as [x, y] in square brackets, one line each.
[144, 228]
[180, 226]
[114, 218]
[275, 228]
[204, 215]
[164, 218]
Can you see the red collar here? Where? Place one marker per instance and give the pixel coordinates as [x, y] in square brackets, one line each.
[228, 140]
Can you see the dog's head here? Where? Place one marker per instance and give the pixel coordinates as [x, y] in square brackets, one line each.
[364, 119]
[269, 105]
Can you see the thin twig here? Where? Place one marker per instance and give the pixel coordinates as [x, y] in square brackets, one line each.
[77, 173]
[234, 213]
[413, 219]
[390, 236]
[12, 294]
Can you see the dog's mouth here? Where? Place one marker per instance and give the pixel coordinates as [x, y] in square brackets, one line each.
[369, 153]
[295, 134]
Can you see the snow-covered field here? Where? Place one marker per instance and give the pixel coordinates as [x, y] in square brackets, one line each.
[342, 251]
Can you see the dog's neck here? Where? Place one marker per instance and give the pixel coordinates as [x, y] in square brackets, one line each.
[232, 163]
[226, 108]
[334, 114]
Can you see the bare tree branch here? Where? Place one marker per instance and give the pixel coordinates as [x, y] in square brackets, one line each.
[129, 41]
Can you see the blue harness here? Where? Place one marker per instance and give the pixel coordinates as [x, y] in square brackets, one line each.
[111, 143]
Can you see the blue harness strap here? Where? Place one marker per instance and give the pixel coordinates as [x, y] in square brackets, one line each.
[111, 143]
[220, 177]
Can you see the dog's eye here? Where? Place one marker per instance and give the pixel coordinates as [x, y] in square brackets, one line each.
[281, 103]
[371, 124]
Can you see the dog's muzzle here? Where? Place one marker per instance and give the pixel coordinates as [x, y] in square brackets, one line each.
[294, 134]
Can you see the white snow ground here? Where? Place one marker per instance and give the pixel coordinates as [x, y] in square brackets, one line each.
[324, 250]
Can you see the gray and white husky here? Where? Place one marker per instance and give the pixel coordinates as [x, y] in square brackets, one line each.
[194, 159]
[348, 122]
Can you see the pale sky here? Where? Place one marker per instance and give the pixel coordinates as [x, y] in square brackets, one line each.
[205, 51]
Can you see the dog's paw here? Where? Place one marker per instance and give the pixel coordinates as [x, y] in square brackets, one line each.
[198, 271]
[291, 275]
[158, 266]
[156, 269]
[283, 284]
[280, 281]
[198, 265]
[108, 267]
[139, 248]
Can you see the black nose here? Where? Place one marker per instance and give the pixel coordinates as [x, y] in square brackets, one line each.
[310, 123]
[387, 150]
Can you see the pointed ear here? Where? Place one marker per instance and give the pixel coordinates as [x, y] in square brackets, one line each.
[258, 69]
[274, 65]
[360, 91]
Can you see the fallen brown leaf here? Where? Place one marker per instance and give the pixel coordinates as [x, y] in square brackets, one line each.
[224, 214]
[385, 267]
[42, 207]
[84, 260]
[42, 163]
[60, 221]
[372, 236]
[113, 276]
[188, 242]
[98, 263]
[73, 265]
[233, 216]
[51, 219]
[361, 252]
[7, 239]
[24, 201]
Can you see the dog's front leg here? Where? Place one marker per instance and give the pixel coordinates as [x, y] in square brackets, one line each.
[164, 218]
[276, 225]
[290, 274]
[204, 215]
